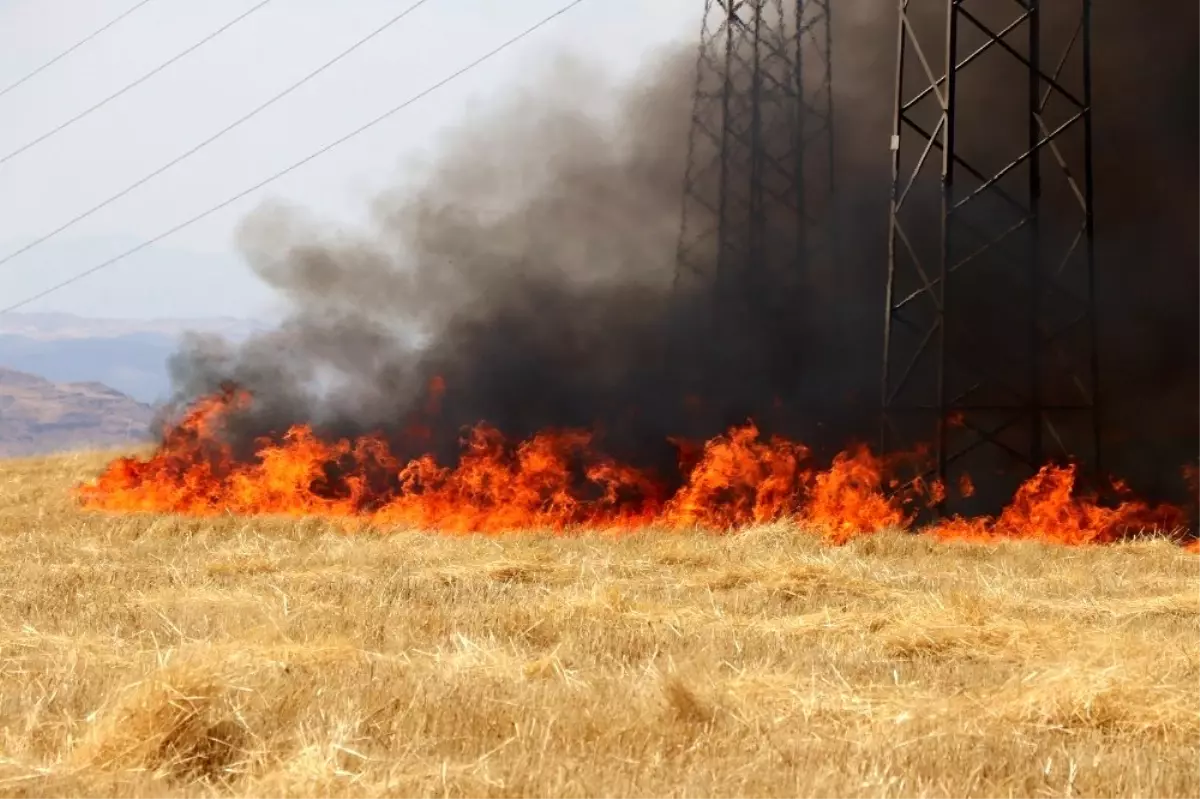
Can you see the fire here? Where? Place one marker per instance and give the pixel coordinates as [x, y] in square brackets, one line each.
[555, 480]
[184, 475]
[847, 500]
[559, 479]
[966, 487]
[1047, 507]
[535, 484]
[737, 479]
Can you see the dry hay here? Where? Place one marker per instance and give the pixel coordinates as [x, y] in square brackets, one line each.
[184, 657]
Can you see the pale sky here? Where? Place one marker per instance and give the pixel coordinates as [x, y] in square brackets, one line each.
[198, 272]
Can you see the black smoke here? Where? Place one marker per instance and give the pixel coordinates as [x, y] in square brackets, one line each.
[529, 265]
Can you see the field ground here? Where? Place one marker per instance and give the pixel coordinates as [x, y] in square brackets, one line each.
[162, 656]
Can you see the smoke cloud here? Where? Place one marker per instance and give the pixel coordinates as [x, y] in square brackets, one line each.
[528, 269]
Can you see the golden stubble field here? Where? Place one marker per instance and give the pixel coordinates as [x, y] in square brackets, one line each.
[157, 656]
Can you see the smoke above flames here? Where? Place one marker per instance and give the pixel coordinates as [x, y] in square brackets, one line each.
[523, 279]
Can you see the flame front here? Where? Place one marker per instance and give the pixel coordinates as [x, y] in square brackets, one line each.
[558, 480]
[1046, 507]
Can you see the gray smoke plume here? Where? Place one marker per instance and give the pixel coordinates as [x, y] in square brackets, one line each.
[530, 267]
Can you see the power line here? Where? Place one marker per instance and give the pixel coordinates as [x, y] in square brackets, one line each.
[296, 165]
[197, 148]
[135, 83]
[74, 47]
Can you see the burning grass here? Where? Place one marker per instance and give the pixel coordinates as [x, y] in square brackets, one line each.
[558, 479]
[220, 655]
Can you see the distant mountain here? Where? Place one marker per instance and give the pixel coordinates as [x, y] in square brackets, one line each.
[128, 355]
[38, 416]
[134, 364]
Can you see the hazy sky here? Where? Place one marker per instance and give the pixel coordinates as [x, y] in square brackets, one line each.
[197, 272]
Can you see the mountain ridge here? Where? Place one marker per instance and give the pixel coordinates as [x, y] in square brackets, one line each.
[39, 416]
[130, 355]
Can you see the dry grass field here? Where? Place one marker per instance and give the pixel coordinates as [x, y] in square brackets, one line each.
[157, 656]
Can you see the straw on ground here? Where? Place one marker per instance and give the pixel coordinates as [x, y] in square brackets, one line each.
[166, 656]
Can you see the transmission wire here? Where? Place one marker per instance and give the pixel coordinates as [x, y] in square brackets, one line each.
[138, 82]
[228, 128]
[294, 166]
[75, 46]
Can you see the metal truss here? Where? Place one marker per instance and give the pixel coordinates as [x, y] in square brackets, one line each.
[759, 181]
[990, 330]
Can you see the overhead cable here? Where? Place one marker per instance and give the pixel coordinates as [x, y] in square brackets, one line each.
[295, 165]
[75, 46]
[64, 125]
[201, 145]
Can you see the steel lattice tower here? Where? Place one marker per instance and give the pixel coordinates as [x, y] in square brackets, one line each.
[759, 182]
[990, 330]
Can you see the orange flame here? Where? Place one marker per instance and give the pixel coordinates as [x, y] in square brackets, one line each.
[558, 480]
[966, 486]
[738, 479]
[847, 500]
[1046, 508]
[554, 480]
